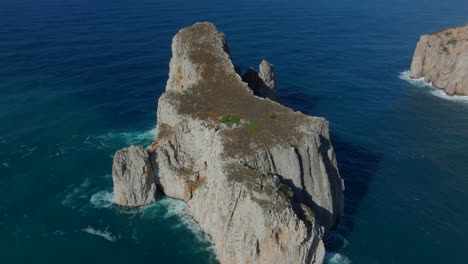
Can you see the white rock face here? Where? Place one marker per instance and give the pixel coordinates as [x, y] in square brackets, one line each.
[263, 183]
[442, 59]
[134, 177]
[246, 211]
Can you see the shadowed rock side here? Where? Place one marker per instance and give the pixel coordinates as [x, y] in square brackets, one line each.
[442, 59]
[258, 177]
[263, 83]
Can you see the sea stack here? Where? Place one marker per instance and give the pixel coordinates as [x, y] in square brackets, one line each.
[133, 176]
[441, 58]
[264, 82]
[259, 178]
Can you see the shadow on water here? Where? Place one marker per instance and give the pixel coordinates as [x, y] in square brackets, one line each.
[297, 99]
[358, 167]
[356, 164]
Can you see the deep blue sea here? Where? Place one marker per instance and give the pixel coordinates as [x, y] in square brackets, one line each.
[80, 79]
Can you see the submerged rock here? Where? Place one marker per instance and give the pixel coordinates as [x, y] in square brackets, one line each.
[442, 59]
[259, 178]
[134, 177]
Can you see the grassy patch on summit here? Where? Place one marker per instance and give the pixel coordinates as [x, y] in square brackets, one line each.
[253, 127]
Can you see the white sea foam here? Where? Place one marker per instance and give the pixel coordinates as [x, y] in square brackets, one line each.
[28, 151]
[102, 199]
[76, 192]
[55, 233]
[168, 208]
[58, 233]
[336, 258]
[405, 75]
[122, 139]
[433, 90]
[104, 234]
[59, 152]
[455, 98]
[133, 137]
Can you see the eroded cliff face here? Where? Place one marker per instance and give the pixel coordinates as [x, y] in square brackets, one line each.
[442, 59]
[263, 183]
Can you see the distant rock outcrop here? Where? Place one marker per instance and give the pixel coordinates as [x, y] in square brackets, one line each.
[259, 178]
[442, 59]
[134, 177]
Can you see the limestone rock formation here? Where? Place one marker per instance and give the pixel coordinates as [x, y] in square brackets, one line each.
[259, 178]
[442, 59]
[264, 82]
[134, 177]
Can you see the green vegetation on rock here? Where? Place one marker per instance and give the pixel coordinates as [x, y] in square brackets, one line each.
[235, 119]
[225, 119]
[230, 119]
[253, 127]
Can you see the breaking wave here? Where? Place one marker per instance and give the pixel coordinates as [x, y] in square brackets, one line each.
[113, 139]
[104, 234]
[170, 208]
[455, 98]
[102, 199]
[405, 75]
[336, 258]
[143, 138]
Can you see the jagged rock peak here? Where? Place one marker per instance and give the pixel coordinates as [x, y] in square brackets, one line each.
[442, 59]
[199, 51]
[264, 83]
[134, 177]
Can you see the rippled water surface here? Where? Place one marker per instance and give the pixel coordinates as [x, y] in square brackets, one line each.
[80, 79]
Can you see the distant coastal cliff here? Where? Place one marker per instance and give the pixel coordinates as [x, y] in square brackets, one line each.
[442, 59]
[259, 178]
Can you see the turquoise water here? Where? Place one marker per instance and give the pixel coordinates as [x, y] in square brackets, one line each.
[80, 79]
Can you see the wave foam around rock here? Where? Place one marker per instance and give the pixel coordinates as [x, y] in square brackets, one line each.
[336, 258]
[405, 75]
[102, 199]
[168, 208]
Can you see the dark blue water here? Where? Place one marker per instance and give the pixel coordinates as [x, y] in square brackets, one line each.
[80, 79]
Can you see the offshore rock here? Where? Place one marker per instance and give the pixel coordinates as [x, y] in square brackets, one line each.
[264, 82]
[265, 188]
[259, 178]
[442, 59]
[133, 176]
